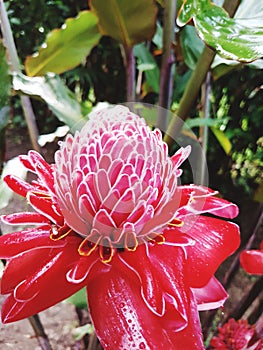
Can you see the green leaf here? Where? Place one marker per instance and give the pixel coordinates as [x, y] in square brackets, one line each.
[67, 47]
[197, 122]
[54, 92]
[145, 57]
[128, 22]
[222, 139]
[233, 38]
[191, 45]
[80, 332]
[79, 299]
[5, 78]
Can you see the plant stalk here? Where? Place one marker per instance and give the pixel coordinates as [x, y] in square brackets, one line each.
[14, 64]
[39, 332]
[194, 84]
[166, 80]
[203, 131]
[129, 62]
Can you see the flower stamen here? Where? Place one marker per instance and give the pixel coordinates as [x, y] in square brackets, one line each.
[176, 223]
[59, 233]
[89, 244]
[106, 250]
[130, 241]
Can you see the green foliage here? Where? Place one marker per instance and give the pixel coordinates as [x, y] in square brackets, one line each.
[247, 168]
[53, 91]
[79, 299]
[152, 73]
[236, 39]
[67, 47]
[128, 22]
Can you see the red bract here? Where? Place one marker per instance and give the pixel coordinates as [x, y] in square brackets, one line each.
[236, 335]
[110, 216]
[252, 260]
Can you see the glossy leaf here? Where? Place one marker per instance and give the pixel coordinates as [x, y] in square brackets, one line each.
[191, 45]
[128, 22]
[222, 139]
[67, 47]
[233, 38]
[145, 57]
[53, 91]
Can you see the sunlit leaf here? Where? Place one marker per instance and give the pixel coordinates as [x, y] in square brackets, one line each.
[222, 139]
[128, 22]
[54, 92]
[67, 47]
[234, 38]
[197, 122]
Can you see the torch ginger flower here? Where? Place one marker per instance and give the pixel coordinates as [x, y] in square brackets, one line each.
[110, 215]
[236, 335]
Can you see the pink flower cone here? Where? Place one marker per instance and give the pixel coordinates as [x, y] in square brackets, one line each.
[110, 215]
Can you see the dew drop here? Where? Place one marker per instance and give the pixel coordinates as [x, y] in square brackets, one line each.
[122, 305]
[129, 320]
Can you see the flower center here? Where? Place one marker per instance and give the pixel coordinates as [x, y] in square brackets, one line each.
[105, 247]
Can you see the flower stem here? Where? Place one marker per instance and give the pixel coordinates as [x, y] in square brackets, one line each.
[40, 332]
[14, 64]
[166, 81]
[129, 62]
[194, 84]
[202, 178]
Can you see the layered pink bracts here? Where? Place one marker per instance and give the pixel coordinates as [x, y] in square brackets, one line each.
[110, 215]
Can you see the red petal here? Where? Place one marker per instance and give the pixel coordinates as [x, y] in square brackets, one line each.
[215, 241]
[211, 296]
[116, 304]
[45, 288]
[16, 243]
[18, 185]
[252, 261]
[43, 170]
[151, 288]
[46, 207]
[24, 218]
[28, 262]
[203, 200]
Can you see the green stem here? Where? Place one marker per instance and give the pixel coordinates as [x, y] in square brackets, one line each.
[194, 84]
[166, 81]
[14, 64]
[203, 131]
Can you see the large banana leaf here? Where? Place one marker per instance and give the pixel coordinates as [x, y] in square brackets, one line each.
[67, 47]
[129, 22]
